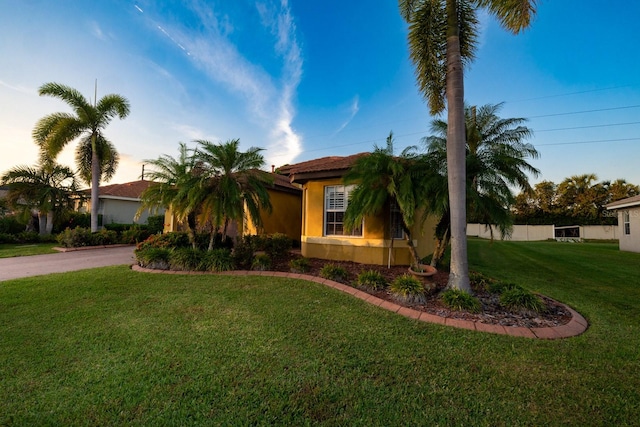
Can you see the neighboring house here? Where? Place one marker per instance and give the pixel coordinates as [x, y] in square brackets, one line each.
[324, 201]
[120, 202]
[285, 216]
[628, 222]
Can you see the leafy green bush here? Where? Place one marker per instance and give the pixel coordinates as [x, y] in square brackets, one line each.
[30, 237]
[521, 300]
[103, 237]
[156, 258]
[300, 265]
[186, 259]
[480, 282]
[167, 240]
[408, 289]
[278, 245]
[8, 238]
[461, 301]
[243, 252]
[74, 238]
[217, 260]
[261, 262]
[155, 224]
[11, 225]
[134, 236]
[334, 272]
[371, 279]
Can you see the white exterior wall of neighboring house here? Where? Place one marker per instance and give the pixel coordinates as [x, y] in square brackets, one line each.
[628, 211]
[122, 210]
[629, 234]
[530, 233]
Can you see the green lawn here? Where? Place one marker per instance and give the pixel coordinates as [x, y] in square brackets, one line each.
[11, 250]
[115, 347]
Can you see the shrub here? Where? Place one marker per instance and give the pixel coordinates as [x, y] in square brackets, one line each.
[461, 301]
[29, 237]
[167, 240]
[278, 245]
[74, 238]
[519, 299]
[134, 236]
[156, 258]
[480, 282]
[104, 237]
[334, 272]
[261, 262]
[408, 289]
[155, 224]
[186, 259]
[300, 265]
[10, 225]
[217, 260]
[371, 279]
[500, 287]
[243, 252]
[8, 238]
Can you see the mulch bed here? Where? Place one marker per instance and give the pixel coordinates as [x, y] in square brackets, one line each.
[492, 312]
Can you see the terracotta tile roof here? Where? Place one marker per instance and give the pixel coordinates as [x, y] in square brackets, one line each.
[131, 190]
[323, 167]
[624, 203]
[283, 182]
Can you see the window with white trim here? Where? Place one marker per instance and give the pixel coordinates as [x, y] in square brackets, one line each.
[396, 222]
[336, 199]
[626, 223]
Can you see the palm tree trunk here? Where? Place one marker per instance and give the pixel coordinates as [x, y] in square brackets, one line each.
[49, 227]
[456, 167]
[95, 184]
[42, 223]
[412, 248]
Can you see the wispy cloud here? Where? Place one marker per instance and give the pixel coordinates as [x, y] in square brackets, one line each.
[18, 88]
[269, 97]
[353, 110]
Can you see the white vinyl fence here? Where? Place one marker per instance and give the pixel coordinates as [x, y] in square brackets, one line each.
[546, 232]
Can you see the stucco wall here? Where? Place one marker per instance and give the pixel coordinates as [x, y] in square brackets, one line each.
[285, 217]
[543, 232]
[122, 212]
[373, 247]
[630, 242]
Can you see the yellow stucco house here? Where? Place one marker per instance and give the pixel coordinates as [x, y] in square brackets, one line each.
[324, 201]
[285, 217]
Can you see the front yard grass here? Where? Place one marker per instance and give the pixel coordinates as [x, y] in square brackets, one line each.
[110, 346]
[26, 249]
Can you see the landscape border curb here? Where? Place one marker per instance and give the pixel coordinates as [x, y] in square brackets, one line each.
[576, 326]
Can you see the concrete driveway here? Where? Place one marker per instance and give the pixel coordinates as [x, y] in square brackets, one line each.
[36, 265]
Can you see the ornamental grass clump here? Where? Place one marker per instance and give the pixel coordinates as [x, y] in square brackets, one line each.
[334, 272]
[501, 287]
[186, 259]
[371, 280]
[261, 262]
[154, 258]
[216, 260]
[407, 288]
[461, 301]
[300, 265]
[518, 299]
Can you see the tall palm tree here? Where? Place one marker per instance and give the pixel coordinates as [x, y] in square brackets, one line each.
[175, 186]
[496, 160]
[47, 188]
[442, 39]
[233, 184]
[383, 180]
[96, 157]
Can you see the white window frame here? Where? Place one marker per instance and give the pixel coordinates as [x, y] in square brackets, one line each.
[336, 200]
[626, 223]
[395, 215]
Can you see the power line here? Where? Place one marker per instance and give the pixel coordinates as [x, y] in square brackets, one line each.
[588, 142]
[584, 111]
[588, 127]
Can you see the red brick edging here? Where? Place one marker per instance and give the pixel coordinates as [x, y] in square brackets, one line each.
[576, 326]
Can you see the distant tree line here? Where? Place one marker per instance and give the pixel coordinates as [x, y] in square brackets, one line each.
[578, 200]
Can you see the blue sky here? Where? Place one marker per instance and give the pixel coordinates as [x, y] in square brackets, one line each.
[309, 78]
